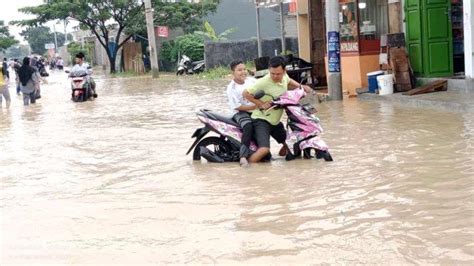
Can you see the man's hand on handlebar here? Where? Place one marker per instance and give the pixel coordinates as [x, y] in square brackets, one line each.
[307, 88]
[264, 105]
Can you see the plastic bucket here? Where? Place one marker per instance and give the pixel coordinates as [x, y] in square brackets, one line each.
[385, 84]
[372, 79]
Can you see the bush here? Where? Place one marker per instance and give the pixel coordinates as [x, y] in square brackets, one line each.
[221, 72]
[75, 47]
[215, 73]
[191, 45]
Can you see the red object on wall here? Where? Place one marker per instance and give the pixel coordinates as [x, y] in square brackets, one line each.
[161, 31]
[292, 7]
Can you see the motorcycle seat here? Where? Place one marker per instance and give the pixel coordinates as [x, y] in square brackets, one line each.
[214, 116]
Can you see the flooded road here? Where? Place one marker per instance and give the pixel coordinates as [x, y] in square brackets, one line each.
[108, 181]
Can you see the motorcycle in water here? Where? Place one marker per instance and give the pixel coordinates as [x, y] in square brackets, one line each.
[187, 66]
[303, 132]
[80, 85]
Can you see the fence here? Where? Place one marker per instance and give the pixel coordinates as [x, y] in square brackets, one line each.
[222, 53]
[132, 57]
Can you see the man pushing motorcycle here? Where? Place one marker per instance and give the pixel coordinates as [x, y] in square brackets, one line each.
[266, 120]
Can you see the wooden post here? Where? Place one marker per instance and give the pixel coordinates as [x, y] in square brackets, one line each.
[394, 16]
[151, 38]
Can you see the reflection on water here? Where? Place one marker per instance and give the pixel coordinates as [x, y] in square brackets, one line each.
[108, 181]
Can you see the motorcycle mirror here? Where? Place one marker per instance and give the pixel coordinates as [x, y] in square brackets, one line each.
[259, 94]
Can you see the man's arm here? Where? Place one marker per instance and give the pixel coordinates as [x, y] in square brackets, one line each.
[235, 104]
[246, 108]
[257, 102]
[293, 84]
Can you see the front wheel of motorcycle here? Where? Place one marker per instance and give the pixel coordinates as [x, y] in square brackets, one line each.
[180, 72]
[320, 154]
[217, 146]
[309, 153]
[76, 98]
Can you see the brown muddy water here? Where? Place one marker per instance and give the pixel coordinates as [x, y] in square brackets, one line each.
[108, 181]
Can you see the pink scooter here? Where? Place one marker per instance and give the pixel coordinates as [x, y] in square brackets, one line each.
[303, 130]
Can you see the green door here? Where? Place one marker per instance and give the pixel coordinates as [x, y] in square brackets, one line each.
[429, 37]
[414, 35]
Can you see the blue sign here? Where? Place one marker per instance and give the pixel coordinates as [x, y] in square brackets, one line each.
[334, 54]
[112, 47]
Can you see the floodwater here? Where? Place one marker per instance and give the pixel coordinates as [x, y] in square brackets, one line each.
[108, 181]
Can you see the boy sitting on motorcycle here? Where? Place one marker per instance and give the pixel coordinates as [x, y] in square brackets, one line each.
[82, 65]
[240, 107]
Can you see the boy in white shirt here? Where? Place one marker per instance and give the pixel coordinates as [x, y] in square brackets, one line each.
[240, 107]
[82, 65]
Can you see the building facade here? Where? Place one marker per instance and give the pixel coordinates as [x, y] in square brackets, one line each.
[438, 34]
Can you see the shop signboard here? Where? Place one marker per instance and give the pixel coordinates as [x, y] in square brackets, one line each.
[334, 57]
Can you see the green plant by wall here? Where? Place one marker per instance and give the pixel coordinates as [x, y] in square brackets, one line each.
[288, 52]
[210, 33]
[191, 45]
[75, 47]
[222, 72]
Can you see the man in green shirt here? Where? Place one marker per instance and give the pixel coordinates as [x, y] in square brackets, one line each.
[267, 122]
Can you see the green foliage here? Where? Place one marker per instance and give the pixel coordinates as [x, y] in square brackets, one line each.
[191, 45]
[106, 19]
[18, 51]
[125, 16]
[210, 34]
[6, 40]
[219, 72]
[250, 65]
[183, 14]
[222, 72]
[75, 47]
[37, 37]
[288, 52]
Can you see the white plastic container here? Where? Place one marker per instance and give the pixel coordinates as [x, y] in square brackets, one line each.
[385, 84]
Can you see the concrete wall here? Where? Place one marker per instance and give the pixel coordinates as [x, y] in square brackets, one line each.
[222, 53]
[304, 44]
[468, 9]
[241, 15]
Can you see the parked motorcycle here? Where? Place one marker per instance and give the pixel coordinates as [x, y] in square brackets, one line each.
[302, 138]
[80, 86]
[187, 66]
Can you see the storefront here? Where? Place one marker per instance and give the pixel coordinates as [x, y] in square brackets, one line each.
[438, 33]
[362, 22]
[435, 37]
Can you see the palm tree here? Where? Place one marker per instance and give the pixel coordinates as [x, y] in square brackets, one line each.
[210, 33]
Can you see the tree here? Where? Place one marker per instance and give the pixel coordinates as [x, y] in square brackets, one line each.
[210, 33]
[109, 19]
[6, 40]
[106, 19]
[18, 51]
[190, 44]
[185, 15]
[37, 37]
[75, 47]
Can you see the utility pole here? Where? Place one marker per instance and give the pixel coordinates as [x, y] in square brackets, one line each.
[151, 38]
[282, 28]
[333, 48]
[259, 38]
[55, 39]
[65, 31]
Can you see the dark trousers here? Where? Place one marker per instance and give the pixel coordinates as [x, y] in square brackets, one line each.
[245, 122]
